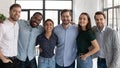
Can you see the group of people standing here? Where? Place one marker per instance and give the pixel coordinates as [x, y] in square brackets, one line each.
[18, 39]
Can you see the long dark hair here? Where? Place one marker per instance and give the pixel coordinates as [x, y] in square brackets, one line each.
[88, 27]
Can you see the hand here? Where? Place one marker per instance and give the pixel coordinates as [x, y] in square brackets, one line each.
[40, 49]
[6, 60]
[83, 57]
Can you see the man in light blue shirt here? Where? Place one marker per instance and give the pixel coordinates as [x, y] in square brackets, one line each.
[66, 49]
[28, 32]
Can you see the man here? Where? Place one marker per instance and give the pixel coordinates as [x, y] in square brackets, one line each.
[28, 32]
[9, 37]
[108, 39]
[66, 49]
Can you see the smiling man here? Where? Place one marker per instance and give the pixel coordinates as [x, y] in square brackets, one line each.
[28, 32]
[9, 37]
[66, 49]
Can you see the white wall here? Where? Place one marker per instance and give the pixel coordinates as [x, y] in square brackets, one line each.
[4, 6]
[89, 6]
[118, 15]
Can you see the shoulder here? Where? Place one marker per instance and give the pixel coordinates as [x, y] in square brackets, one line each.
[110, 30]
[90, 32]
[58, 26]
[94, 28]
[4, 24]
[40, 27]
[75, 26]
[54, 35]
[40, 35]
[1, 26]
[21, 21]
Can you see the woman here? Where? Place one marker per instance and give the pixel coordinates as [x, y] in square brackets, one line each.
[85, 39]
[47, 41]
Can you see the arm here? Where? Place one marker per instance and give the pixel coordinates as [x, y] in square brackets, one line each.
[95, 48]
[4, 59]
[116, 50]
[38, 44]
[93, 51]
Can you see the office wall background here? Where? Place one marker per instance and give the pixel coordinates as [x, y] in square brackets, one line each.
[4, 6]
[89, 6]
[79, 6]
[118, 20]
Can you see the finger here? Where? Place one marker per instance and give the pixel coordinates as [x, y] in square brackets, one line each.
[10, 61]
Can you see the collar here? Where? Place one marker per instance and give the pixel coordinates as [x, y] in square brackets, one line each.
[102, 29]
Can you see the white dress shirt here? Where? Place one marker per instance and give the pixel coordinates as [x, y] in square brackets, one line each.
[9, 38]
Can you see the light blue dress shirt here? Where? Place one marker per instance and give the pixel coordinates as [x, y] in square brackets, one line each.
[27, 40]
[100, 37]
[66, 49]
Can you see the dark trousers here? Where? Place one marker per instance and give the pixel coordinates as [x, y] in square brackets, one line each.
[10, 65]
[28, 64]
[101, 63]
[71, 66]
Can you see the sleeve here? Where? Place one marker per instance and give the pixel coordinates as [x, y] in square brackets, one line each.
[91, 35]
[116, 49]
[56, 39]
[1, 32]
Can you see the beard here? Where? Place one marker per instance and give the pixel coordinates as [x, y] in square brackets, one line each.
[65, 23]
[14, 18]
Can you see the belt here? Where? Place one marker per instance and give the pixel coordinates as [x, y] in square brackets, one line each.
[99, 58]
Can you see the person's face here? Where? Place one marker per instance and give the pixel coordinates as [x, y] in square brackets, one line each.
[15, 13]
[83, 20]
[66, 18]
[35, 20]
[100, 21]
[48, 26]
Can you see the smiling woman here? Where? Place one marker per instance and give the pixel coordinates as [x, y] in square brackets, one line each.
[2, 18]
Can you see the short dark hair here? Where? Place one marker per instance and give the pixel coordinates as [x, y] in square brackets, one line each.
[48, 20]
[66, 10]
[14, 5]
[37, 13]
[99, 13]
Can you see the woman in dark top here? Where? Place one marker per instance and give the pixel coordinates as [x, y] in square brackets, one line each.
[47, 41]
[85, 39]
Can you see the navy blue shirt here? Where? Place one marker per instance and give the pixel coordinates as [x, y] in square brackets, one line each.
[47, 45]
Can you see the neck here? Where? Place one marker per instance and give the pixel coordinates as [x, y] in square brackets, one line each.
[100, 28]
[12, 21]
[48, 35]
[65, 26]
[83, 28]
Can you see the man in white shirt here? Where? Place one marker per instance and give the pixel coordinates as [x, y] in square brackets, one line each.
[9, 37]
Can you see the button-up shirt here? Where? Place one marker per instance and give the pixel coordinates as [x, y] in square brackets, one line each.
[9, 38]
[47, 45]
[66, 49]
[99, 36]
[27, 40]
